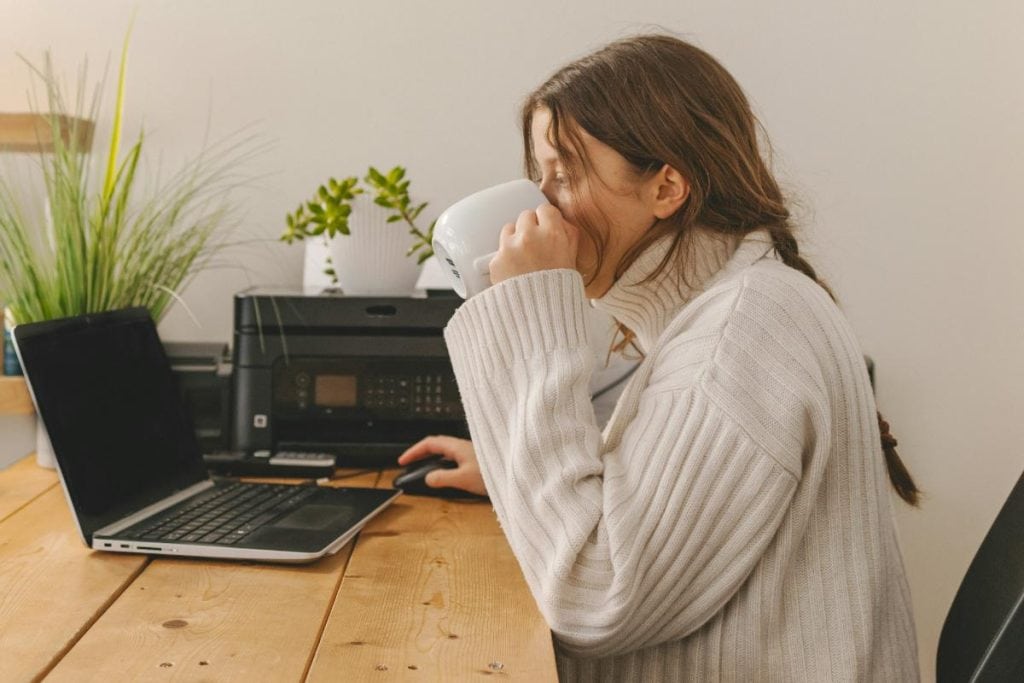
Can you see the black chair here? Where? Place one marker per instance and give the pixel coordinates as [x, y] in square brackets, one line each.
[983, 637]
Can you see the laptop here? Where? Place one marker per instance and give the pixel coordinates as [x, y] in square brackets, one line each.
[130, 463]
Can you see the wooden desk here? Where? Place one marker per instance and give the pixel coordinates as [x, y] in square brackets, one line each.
[428, 591]
[14, 397]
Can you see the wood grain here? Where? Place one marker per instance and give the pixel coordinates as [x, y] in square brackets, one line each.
[23, 482]
[33, 132]
[52, 587]
[14, 397]
[423, 514]
[205, 620]
[433, 592]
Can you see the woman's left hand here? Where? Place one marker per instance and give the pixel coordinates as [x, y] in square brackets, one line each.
[539, 240]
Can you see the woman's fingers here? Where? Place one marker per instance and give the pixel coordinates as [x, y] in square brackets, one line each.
[551, 218]
[507, 231]
[526, 221]
[432, 445]
[419, 450]
[440, 478]
[466, 477]
[540, 239]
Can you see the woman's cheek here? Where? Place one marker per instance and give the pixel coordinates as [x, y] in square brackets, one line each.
[586, 254]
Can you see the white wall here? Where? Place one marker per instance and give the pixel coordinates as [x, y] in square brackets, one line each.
[900, 126]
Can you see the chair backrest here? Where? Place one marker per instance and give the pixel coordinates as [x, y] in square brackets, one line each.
[983, 637]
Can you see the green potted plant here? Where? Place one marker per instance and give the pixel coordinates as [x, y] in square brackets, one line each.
[376, 217]
[100, 242]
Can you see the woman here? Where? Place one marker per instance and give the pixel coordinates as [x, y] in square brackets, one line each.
[733, 521]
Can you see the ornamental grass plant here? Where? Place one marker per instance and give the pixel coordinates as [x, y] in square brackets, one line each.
[106, 239]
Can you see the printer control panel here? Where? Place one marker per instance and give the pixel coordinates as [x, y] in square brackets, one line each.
[389, 388]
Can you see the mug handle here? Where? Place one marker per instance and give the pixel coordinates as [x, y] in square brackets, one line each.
[482, 264]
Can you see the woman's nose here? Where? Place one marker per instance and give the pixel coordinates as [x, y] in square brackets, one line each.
[545, 188]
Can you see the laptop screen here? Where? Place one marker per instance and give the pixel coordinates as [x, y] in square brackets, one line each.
[105, 390]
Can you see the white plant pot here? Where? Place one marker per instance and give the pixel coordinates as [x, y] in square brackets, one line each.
[314, 279]
[44, 449]
[371, 261]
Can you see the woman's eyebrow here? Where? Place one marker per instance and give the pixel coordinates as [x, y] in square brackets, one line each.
[546, 161]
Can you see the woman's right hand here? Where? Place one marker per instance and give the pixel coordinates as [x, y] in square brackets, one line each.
[466, 476]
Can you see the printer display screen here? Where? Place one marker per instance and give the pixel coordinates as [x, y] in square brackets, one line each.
[335, 391]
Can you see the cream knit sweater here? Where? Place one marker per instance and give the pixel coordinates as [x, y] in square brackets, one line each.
[733, 521]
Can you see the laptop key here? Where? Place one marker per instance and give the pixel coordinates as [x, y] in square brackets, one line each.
[263, 519]
[239, 533]
[212, 537]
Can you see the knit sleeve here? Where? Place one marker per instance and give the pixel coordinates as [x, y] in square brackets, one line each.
[626, 546]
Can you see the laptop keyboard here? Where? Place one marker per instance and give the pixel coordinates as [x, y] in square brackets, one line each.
[223, 515]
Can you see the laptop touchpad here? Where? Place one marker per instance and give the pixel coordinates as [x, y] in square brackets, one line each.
[314, 517]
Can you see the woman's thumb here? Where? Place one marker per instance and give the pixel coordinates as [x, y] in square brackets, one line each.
[441, 477]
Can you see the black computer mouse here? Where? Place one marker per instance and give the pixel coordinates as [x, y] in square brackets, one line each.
[413, 480]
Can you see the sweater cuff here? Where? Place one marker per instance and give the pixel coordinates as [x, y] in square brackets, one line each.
[524, 316]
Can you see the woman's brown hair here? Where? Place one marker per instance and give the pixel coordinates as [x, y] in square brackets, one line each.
[658, 100]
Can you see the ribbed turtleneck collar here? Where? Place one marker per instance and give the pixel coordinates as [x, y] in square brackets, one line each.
[648, 308]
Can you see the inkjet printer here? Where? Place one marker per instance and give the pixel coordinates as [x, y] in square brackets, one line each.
[362, 378]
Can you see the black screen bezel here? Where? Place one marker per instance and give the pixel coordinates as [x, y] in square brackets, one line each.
[36, 342]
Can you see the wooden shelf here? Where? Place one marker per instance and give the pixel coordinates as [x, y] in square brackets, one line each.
[14, 397]
[33, 133]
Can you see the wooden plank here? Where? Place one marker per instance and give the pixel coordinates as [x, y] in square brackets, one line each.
[424, 514]
[433, 592]
[52, 587]
[225, 621]
[14, 397]
[23, 482]
[33, 132]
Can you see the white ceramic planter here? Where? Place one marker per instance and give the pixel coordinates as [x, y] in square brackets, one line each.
[314, 279]
[371, 261]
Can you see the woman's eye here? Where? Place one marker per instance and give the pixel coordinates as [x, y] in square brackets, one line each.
[556, 180]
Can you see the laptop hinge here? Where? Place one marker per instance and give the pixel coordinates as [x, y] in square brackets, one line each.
[145, 512]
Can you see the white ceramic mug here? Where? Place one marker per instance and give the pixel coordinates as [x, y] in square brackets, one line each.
[467, 234]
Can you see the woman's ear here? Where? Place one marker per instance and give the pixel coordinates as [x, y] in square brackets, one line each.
[670, 191]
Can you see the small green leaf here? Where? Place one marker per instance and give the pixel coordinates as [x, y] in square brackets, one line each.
[394, 219]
